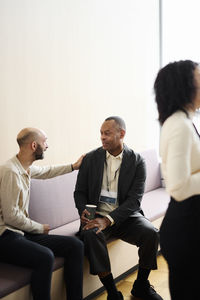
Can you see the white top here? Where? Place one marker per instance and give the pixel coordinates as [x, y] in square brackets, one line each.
[15, 193]
[180, 154]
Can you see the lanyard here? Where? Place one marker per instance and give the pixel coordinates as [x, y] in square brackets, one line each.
[107, 180]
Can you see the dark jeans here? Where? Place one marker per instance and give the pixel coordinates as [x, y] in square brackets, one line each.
[135, 230]
[36, 251]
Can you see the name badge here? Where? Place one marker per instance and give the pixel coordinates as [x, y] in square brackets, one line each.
[108, 197]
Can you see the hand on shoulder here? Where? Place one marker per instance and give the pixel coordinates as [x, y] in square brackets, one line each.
[78, 163]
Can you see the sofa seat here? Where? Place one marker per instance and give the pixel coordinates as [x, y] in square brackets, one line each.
[155, 203]
[15, 277]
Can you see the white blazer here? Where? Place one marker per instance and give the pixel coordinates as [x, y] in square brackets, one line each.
[180, 154]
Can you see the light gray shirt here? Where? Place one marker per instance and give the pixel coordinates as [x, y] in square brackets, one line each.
[15, 194]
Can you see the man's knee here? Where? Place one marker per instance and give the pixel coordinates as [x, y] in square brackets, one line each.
[151, 236]
[90, 234]
[45, 257]
[77, 245]
[93, 240]
[147, 234]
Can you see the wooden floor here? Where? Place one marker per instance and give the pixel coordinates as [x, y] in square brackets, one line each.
[158, 278]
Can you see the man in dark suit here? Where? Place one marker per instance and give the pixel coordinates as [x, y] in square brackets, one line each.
[112, 177]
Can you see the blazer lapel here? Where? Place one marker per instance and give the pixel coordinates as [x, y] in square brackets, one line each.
[124, 167]
[100, 168]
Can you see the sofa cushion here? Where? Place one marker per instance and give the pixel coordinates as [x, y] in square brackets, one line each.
[14, 277]
[51, 200]
[153, 180]
[67, 229]
[155, 203]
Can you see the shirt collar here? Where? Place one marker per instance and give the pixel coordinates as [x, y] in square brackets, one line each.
[188, 113]
[191, 114]
[119, 156]
[19, 165]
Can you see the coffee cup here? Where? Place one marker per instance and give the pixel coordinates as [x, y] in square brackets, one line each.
[92, 210]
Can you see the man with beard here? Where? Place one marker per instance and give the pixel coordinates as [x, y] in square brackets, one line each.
[24, 242]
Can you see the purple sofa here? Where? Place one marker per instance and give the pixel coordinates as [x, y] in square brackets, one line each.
[51, 202]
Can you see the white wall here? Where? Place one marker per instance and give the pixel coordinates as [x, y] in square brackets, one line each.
[66, 65]
[180, 34]
[180, 30]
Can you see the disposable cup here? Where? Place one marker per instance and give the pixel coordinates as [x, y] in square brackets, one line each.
[92, 210]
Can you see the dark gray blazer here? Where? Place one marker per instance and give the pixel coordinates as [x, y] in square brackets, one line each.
[130, 185]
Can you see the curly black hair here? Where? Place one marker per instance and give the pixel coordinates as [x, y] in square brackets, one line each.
[175, 88]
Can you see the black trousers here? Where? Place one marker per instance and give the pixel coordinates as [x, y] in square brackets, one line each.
[36, 251]
[179, 239]
[135, 230]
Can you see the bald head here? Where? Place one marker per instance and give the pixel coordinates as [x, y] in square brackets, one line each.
[29, 135]
[119, 121]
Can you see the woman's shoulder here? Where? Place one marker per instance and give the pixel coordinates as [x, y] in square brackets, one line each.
[177, 129]
[178, 121]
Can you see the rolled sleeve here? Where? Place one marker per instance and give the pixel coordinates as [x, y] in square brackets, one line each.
[111, 220]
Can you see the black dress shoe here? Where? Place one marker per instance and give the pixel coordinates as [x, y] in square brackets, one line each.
[144, 291]
[119, 297]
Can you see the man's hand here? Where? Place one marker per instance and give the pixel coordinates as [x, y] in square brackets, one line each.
[100, 223]
[46, 228]
[78, 163]
[84, 219]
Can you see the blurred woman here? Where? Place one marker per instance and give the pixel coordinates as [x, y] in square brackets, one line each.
[177, 94]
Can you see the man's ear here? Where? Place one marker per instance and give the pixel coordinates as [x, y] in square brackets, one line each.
[122, 133]
[34, 145]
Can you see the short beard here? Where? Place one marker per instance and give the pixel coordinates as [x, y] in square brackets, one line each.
[39, 153]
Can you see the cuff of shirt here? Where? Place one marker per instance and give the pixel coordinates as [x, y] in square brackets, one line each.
[111, 219]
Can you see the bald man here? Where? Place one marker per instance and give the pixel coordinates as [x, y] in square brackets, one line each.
[25, 242]
[112, 177]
